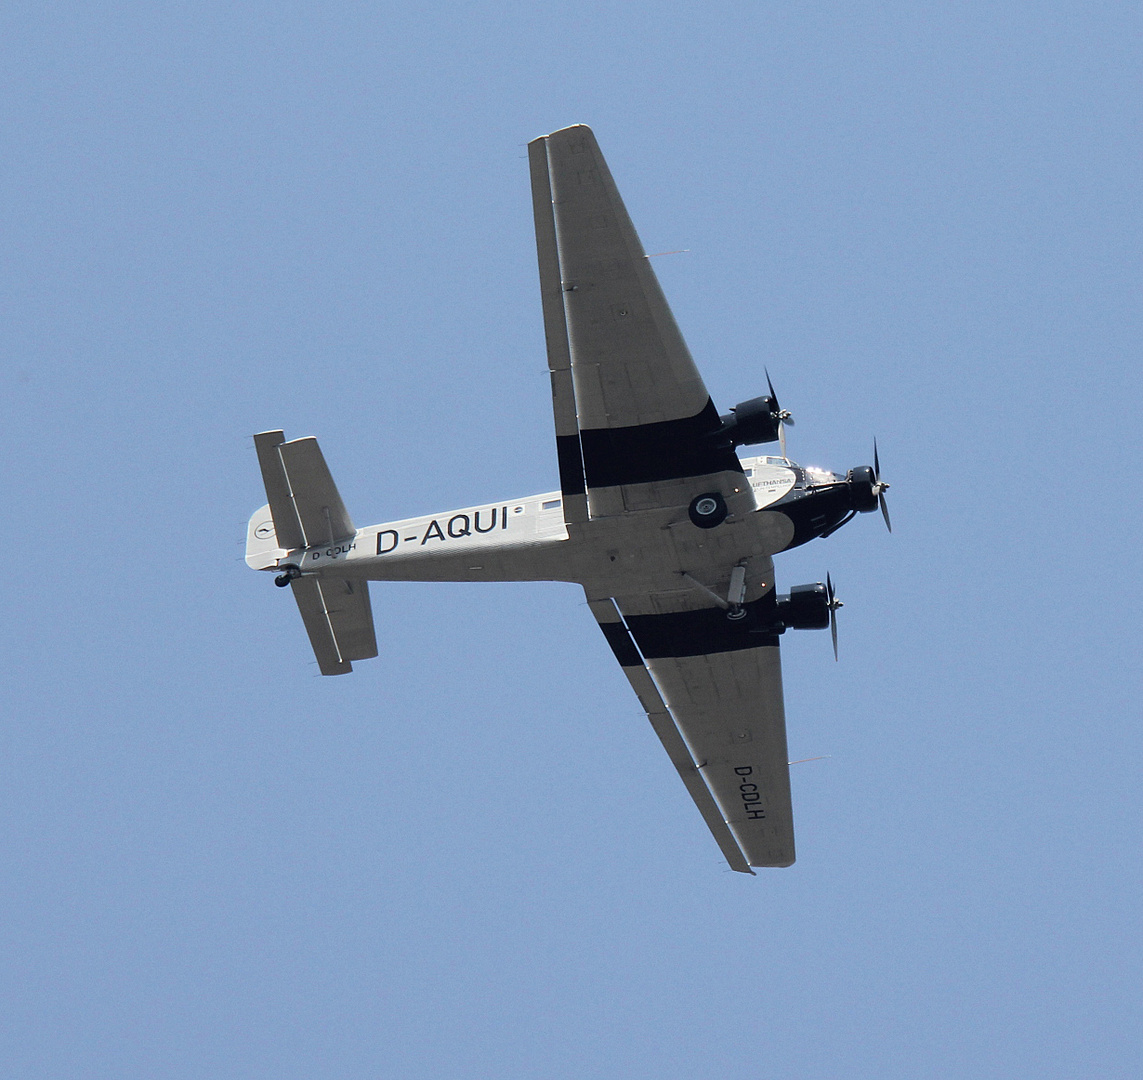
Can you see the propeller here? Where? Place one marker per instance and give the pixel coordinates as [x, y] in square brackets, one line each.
[783, 415]
[880, 487]
[834, 604]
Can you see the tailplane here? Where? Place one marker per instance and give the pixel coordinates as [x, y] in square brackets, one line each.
[305, 510]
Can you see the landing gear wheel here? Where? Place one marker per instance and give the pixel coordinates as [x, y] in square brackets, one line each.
[708, 510]
[734, 614]
[291, 572]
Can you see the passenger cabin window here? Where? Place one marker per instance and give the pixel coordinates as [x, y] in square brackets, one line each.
[551, 504]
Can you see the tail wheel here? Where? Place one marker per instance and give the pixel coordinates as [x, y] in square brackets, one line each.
[291, 572]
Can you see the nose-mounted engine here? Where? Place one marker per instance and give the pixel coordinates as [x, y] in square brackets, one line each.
[867, 489]
[862, 489]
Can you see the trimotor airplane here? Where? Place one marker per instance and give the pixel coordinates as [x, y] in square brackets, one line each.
[669, 532]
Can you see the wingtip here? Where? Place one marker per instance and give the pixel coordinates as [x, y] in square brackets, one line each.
[579, 128]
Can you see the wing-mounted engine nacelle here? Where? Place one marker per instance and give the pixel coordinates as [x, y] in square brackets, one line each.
[805, 607]
[751, 422]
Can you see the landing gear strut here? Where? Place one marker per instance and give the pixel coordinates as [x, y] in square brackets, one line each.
[736, 594]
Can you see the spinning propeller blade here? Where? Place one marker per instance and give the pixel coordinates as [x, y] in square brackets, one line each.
[783, 415]
[834, 604]
[880, 488]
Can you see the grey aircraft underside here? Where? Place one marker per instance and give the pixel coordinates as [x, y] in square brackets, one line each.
[669, 532]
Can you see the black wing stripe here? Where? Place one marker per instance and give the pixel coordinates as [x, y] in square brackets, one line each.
[621, 644]
[667, 450]
[706, 631]
[570, 458]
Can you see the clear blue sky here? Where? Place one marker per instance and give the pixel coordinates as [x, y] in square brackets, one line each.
[471, 858]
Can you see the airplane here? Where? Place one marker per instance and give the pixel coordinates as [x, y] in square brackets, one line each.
[669, 532]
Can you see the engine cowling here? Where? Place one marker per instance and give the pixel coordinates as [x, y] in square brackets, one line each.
[751, 422]
[805, 607]
[862, 483]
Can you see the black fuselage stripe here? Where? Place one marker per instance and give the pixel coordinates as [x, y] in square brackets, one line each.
[667, 450]
[698, 633]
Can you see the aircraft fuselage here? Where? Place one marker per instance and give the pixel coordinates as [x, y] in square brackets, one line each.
[527, 539]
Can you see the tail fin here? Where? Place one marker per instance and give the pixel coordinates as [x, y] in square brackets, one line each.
[263, 552]
[305, 510]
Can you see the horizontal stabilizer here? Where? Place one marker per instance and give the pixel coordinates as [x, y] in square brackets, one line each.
[305, 511]
[286, 524]
[320, 509]
[304, 501]
[338, 620]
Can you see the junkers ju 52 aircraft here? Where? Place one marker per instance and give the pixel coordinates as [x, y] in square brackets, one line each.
[669, 532]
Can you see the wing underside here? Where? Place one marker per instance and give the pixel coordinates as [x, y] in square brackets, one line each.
[720, 717]
[631, 409]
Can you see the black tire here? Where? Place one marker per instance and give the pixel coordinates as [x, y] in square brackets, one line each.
[291, 572]
[708, 510]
